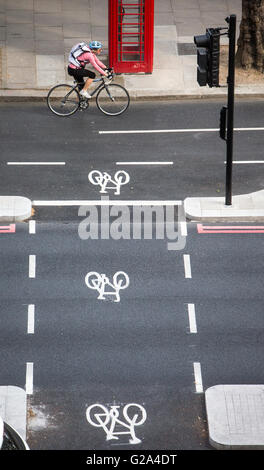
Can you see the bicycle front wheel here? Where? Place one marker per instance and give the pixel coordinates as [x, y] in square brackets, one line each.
[113, 100]
[63, 100]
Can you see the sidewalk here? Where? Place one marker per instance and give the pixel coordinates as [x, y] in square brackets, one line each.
[36, 37]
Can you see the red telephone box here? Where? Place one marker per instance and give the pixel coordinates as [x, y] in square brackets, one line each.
[131, 35]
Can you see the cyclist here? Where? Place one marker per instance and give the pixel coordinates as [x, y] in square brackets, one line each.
[76, 68]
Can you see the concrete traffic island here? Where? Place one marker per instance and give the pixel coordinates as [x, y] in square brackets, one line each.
[13, 408]
[235, 416]
[245, 208]
[14, 208]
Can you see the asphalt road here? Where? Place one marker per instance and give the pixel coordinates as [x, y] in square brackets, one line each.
[188, 319]
[141, 350]
[31, 133]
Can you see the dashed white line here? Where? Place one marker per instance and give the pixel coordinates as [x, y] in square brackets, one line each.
[144, 163]
[198, 377]
[32, 226]
[192, 318]
[187, 266]
[36, 163]
[183, 226]
[32, 266]
[31, 319]
[29, 378]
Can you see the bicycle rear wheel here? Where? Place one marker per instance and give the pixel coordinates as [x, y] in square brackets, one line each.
[63, 100]
[113, 100]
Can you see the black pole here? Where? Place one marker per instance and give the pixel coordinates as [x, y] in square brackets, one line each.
[230, 107]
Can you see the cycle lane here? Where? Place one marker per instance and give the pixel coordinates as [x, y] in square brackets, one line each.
[107, 352]
[227, 291]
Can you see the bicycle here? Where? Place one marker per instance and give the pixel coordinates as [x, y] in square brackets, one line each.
[111, 98]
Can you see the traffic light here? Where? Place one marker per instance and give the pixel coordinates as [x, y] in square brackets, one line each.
[208, 52]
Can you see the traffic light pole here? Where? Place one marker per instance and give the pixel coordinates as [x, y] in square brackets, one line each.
[230, 107]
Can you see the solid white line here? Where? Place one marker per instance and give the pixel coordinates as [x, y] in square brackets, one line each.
[198, 377]
[32, 266]
[107, 203]
[240, 162]
[144, 163]
[157, 131]
[187, 266]
[160, 131]
[35, 163]
[31, 319]
[32, 226]
[183, 226]
[192, 318]
[29, 378]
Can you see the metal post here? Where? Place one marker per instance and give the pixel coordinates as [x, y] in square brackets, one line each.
[230, 107]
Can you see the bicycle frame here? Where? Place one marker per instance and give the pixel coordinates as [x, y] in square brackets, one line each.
[97, 89]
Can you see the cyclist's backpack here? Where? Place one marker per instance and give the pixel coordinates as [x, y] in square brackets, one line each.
[76, 51]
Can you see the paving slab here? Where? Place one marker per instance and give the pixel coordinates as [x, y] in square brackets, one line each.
[235, 416]
[50, 27]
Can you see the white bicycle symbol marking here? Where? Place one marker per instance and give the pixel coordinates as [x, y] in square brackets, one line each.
[98, 282]
[100, 416]
[96, 177]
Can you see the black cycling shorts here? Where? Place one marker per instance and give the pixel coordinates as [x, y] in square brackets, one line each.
[78, 74]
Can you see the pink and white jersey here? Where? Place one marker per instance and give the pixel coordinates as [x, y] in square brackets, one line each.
[89, 57]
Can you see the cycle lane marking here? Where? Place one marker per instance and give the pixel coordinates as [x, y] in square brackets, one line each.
[8, 228]
[101, 282]
[105, 180]
[108, 418]
[229, 229]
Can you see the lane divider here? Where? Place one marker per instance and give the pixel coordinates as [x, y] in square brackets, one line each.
[29, 378]
[32, 266]
[32, 227]
[187, 266]
[31, 319]
[167, 131]
[198, 377]
[192, 318]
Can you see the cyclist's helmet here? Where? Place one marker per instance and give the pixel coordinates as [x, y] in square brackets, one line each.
[95, 45]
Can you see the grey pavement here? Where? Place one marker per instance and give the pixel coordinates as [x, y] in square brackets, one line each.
[36, 37]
